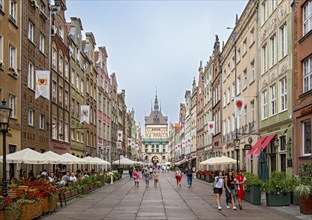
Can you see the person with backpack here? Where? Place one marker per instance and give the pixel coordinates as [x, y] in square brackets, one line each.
[189, 174]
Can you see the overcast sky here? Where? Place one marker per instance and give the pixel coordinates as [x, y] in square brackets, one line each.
[156, 44]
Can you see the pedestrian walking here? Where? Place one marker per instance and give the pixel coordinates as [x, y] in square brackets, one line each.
[155, 178]
[147, 176]
[189, 174]
[230, 190]
[240, 180]
[136, 178]
[219, 184]
[178, 177]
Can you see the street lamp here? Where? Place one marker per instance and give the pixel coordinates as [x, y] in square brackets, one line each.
[5, 114]
[236, 148]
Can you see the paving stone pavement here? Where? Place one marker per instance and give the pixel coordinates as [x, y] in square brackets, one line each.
[167, 201]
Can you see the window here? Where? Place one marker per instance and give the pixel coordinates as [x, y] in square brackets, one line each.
[72, 77]
[81, 86]
[54, 58]
[61, 132]
[60, 95]
[233, 90]
[245, 115]
[72, 132]
[53, 91]
[245, 78]
[307, 17]
[61, 65]
[31, 76]
[77, 82]
[30, 117]
[1, 5]
[273, 50]
[31, 31]
[77, 136]
[283, 142]
[66, 97]
[252, 36]
[252, 71]
[283, 94]
[238, 55]
[41, 43]
[264, 104]
[12, 105]
[12, 56]
[41, 121]
[82, 138]
[252, 111]
[264, 11]
[61, 32]
[307, 74]
[12, 11]
[238, 81]
[306, 138]
[66, 132]
[283, 34]
[283, 162]
[273, 99]
[264, 58]
[273, 5]
[66, 70]
[224, 99]
[245, 47]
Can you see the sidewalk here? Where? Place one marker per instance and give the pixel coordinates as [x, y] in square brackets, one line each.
[291, 212]
[123, 201]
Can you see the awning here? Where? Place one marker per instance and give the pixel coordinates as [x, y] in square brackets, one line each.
[264, 144]
[256, 146]
[180, 162]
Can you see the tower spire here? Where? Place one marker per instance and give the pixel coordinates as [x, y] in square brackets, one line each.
[156, 107]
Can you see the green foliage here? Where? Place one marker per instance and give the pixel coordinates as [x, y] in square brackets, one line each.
[303, 190]
[117, 176]
[280, 182]
[305, 170]
[252, 180]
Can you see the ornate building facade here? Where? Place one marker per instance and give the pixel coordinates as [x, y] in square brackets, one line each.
[156, 140]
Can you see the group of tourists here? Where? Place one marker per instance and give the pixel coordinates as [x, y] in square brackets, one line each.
[147, 173]
[232, 185]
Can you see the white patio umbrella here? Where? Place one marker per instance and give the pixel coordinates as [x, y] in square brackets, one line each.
[55, 158]
[123, 161]
[27, 156]
[226, 160]
[73, 159]
[210, 161]
[102, 161]
[91, 160]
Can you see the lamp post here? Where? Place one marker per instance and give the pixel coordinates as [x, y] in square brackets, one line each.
[5, 114]
[236, 148]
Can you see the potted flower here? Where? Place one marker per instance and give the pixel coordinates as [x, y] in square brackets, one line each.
[8, 209]
[277, 190]
[31, 204]
[304, 192]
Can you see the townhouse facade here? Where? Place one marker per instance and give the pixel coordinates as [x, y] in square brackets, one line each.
[10, 74]
[302, 84]
[114, 116]
[103, 105]
[35, 35]
[239, 81]
[60, 81]
[77, 94]
[193, 116]
[275, 76]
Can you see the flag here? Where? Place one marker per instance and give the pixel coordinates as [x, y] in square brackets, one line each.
[119, 135]
[84, 113]
[211, 127]
[129, 141]
[42, 84]
[238, 106]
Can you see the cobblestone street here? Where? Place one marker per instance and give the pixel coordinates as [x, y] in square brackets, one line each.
[122, 201]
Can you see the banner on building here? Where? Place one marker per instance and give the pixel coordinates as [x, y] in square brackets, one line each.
[84, 113]
[238, 106]
[42, 84]
[119, 135]
[211, 127]
[129, 141]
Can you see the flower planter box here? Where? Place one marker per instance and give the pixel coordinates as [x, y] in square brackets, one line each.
[306, 205]
[255, 195]
[247, 196]
[209, 179]
[282, 199]
[73, 192]
[31, 211]
[67, 194]
[295, 200]
[45, 205]
[5, 215]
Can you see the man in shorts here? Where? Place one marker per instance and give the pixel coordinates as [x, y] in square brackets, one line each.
[240, 180]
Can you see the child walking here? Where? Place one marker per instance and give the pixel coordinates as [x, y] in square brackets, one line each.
[178, 177]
